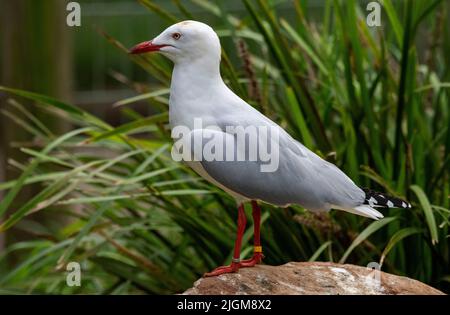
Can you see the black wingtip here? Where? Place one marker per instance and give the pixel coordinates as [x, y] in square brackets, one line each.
[377, 199]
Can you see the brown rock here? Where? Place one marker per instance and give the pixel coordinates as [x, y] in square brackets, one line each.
[309, 278]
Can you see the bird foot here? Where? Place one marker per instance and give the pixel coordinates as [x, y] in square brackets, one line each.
[256, 259]
[234, 267]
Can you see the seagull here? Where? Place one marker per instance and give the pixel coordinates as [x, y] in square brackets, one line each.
[301, 177]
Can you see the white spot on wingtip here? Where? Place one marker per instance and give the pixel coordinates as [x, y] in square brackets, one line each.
[390, 204]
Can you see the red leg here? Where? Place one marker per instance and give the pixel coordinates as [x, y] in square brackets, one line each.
[257, 253]
[235, 264]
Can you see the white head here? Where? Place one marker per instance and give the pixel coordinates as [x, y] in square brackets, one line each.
[187, 41]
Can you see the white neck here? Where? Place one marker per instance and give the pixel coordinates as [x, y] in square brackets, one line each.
[196, 73]
[194, 89]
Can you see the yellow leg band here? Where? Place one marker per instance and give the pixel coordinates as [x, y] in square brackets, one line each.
[257, 249]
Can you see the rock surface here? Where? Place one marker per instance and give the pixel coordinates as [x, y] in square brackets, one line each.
[309, 278]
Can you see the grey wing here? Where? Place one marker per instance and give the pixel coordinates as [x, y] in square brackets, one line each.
[299, 176]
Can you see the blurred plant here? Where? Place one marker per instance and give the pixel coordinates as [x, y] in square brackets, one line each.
[138, 222]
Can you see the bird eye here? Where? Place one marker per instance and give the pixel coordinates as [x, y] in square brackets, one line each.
[176, 36]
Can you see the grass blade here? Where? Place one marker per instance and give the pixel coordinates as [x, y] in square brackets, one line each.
[372, 228]
[320, 250]
[428, 212]
[397, 237]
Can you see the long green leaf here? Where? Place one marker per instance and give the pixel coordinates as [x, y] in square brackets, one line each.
[397, 237]
[428, 212]
[372, 228]
[123, 129]
[320, 250]
[142, 97]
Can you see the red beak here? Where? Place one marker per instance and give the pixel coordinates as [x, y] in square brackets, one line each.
[145, 47]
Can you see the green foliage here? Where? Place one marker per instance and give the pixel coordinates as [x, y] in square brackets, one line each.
[138, 222]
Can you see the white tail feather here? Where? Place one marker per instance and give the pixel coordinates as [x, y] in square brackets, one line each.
[363, 210]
